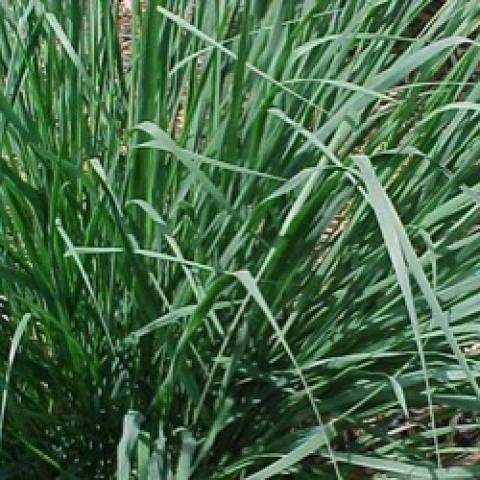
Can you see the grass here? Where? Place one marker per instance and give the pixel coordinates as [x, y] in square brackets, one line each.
[251, 251]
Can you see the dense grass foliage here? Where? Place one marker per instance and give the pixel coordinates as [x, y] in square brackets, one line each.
[249, 248]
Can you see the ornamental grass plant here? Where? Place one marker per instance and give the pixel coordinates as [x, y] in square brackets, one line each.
[239, 239]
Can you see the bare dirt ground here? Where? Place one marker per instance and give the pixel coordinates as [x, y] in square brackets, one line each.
[125, 22]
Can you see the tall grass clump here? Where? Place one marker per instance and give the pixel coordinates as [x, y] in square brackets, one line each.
[239, 239]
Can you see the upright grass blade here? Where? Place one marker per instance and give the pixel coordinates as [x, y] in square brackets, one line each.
[17, 337]
[250, 285]
[385, 214]
[131, 431]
